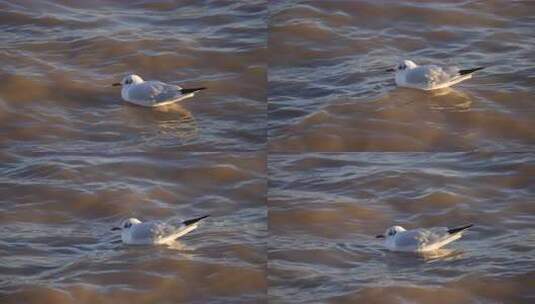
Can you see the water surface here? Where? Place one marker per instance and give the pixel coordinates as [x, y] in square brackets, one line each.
[57, 209]
[328, 89]
[325, 210]
[58, 60]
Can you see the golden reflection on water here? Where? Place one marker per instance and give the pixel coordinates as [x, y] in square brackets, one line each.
[183, 127]
[450, 100]
[442, 254]
[179, 246]
[169, 121]
[443, 100]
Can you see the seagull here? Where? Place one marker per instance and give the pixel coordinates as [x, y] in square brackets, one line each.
[152, 93]
[135, 232]
[420, 240]
[429, 77]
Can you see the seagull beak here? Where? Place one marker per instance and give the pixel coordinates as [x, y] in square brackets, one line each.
[380, 236]
[390, 70]
[117, 84]
[115, 228]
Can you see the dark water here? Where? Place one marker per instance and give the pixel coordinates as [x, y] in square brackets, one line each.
[59, 59]
[328, 90]
[325, 210]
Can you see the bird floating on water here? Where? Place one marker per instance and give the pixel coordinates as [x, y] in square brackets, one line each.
[429, 77]
[420, 239]
[152, 93]
[136, 232]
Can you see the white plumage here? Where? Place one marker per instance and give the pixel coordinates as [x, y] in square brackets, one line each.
[421, 239]
[152, 93]
[135, 232]
[429, 77]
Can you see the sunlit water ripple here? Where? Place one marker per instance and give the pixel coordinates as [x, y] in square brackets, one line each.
[56, 212]
[59, 60]
[325, 210]
[328, 89]
[76, 159]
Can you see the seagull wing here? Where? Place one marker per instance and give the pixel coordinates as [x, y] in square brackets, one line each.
[409, 240]
[421, 239]
[441, 78]
[158, 232]
[436, 76]
[145, 233]
[155, 93]
[168, 233]
[435, 238]
[174, 232]
[428, 77]
[420, 76]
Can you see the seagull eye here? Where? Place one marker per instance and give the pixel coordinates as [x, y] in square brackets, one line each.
[402, 67]
[391, 232]
[127, 225]
[128, 81]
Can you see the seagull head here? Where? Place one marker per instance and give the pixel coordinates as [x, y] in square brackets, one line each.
[129, 80]
[390, 232]
[127, 224]
[402, 66]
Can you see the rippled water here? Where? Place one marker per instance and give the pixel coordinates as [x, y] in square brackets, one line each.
[325, 210]
[56, 212]
[76, 159]
[283, 77]
[59, 58]
[328, 90]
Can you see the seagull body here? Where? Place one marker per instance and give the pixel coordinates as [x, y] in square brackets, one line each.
[420, 240]
[135, 232]
[429, 77]
[152, 93]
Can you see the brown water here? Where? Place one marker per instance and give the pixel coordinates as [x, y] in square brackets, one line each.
[58, 60]
[57, 209]
[328, 90]
[325, 210]
[75, 159]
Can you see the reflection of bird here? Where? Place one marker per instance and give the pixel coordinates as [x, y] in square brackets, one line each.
[135, 232]
[429, 77]
[441, 254]
[449, 100]
[152, 93]
[162, 125]
[420, 240]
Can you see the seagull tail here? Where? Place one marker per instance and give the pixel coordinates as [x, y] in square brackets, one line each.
[459, 229]
[195, 220]
[469, 71]
[192, 90]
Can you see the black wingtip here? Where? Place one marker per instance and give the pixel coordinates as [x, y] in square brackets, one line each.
[195, 220]
[459, 229]
[191, 90]
[465, 72]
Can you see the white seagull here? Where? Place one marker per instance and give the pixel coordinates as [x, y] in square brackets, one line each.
[152, 93]
[135, 232]
[420, 240]
[429, 77]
